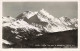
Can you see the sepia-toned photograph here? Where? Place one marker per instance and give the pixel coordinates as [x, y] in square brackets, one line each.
[40, 25]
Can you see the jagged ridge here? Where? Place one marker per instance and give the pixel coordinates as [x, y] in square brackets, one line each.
[33, 24]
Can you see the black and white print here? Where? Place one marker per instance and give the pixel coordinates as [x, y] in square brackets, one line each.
[40, 25]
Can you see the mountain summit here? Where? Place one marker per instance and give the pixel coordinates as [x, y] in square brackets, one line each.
[30, 25]
[44, 21]
[47, 22]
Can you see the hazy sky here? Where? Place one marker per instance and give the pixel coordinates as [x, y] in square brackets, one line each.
[57, 9]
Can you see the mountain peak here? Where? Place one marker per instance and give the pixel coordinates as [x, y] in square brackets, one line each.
[8, 19]
[27, 14]
[45, 13]
[47, 21]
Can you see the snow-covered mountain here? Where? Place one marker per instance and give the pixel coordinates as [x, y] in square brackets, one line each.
[29, 25]
[8, 19]
[44, 21]
[41, 20]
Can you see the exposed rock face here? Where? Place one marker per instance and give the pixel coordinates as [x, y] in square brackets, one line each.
[29, 25]
[43, 20]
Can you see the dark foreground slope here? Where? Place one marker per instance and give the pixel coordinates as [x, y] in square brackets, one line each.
[66, 39]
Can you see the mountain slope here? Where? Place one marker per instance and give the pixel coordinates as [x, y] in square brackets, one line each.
[30, 25]
[48, 22]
